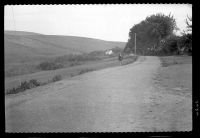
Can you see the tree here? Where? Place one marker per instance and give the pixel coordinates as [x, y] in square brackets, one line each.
[189, 24]
[171, 46]
[151, 31]
[162, 26]
[185, 42]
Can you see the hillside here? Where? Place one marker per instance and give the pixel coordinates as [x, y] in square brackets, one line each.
[20, 33]
[20, 45]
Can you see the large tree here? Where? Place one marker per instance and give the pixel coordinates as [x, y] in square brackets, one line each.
[151, 31]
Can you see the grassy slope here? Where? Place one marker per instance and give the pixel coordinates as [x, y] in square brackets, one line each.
[82, 44]
[24, 49]
[55, 44]
[19, 45]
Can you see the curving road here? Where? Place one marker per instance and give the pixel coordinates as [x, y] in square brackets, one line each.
[112, 100]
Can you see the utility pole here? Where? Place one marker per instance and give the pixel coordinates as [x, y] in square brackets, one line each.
[135, 43]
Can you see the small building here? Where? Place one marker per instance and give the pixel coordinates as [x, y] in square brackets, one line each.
[131, 54]
[109, 52]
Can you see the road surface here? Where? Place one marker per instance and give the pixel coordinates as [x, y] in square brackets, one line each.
[119, 99]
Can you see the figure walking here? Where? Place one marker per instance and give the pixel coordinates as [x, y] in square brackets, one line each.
[120, 58]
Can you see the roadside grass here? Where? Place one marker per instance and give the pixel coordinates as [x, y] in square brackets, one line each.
[173, 60]
[12, 85]
[175, 75]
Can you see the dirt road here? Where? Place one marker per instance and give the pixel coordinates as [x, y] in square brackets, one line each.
[119, 99]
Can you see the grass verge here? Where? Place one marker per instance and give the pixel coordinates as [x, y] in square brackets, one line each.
[175, 75]
[173, 60]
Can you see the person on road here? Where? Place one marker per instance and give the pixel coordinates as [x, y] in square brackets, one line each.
[120, 58]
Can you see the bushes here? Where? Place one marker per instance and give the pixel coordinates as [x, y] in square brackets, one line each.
[85, 70]
[24, 86]
[35, 82]
[178, 45]
[185, 42]
[56, 78]
[117, 50]
[49, 65]
[31, 84]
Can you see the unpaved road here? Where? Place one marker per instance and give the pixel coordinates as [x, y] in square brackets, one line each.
[119, 99]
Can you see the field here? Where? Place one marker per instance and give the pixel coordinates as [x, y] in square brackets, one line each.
[176, 74]
[25, 44]
[69, 72]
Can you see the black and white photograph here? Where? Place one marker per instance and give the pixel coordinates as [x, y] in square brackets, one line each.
[98, 68]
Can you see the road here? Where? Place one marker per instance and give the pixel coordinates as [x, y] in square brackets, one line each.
[119, 99]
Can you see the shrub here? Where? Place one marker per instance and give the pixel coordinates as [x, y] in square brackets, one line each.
[117, 50]
[185, 42]
[49, 65]
[85, 70]
[12, 91]
[34, 83]
[56, 78]
[74, 63]
[24, 86]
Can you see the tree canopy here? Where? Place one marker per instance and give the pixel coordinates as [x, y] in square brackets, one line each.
[150, 32]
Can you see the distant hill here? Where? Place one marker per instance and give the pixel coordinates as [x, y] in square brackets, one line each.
[20, 33]
[20, 45]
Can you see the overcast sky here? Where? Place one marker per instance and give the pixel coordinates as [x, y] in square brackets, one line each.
[106, 22]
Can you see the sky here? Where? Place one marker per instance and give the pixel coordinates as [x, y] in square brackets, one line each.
[110, 22]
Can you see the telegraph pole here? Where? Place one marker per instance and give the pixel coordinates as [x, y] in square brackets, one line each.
[135, 43]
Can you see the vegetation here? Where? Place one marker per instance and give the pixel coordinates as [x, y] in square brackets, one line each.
[24, 86]
[56, 78]
[85, 71]
[49, 66]
[155, 36]
[52, 63]
[185, 42]
[31, 84]
[20, 69]
[24, 51]
[44, 78]
[129, 61]
[73, 60]
[150, 32]
[66, 61]
[117, 50]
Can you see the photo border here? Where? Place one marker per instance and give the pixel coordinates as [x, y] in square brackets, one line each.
[195, 94]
